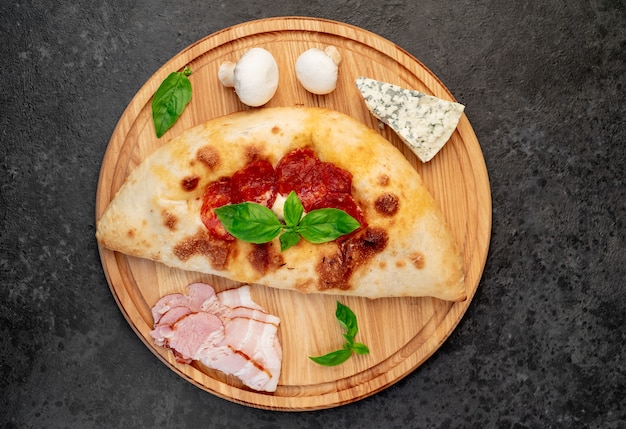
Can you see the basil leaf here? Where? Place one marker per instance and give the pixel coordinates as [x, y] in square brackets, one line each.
[226, 214]
[349, 340]
[360, 348]
[255, 223]
[288, 239]
[293, 210]
[323, 225]
[170, 99]
[347, 319]
[333, 358]
[249, 222]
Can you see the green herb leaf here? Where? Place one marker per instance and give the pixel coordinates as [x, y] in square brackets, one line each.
[360, 348]
[347, 319]
[170, 99]
[323, 225]
[250, 222]
[333, 358]
[288, 239]
[293, 210]
[256, 223]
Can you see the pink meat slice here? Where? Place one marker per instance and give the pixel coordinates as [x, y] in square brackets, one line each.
[257, 341]
[163, 330]
[227, 331]
[198, 297]
[251, 313]
[196, 332]
[238, 297]
[165, 303]
[250, 349]
[201, 296]
[233, 362]
[173, 315]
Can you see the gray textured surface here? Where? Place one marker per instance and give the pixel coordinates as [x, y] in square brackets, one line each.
[542, 344]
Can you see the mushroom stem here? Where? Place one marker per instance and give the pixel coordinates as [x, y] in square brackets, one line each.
[226, 74]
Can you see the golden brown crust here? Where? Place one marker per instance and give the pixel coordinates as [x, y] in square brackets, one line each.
[406, 250]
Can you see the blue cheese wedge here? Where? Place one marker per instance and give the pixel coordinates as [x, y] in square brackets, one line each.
[425, 123]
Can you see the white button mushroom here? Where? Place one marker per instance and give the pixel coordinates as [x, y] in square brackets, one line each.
[255, 76]
[317, 69]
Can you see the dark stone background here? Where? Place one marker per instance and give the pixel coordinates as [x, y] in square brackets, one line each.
[542, 345]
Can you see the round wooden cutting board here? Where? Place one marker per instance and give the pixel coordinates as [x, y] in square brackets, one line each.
[400, 332]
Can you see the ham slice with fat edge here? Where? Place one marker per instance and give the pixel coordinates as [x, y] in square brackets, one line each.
[227, 331]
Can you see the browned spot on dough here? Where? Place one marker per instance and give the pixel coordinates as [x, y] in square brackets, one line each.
[131, 233]
[400, 263]
[253, 153]
[216, 251]
[383, 180]
[304, 286]
[189, 183]
[332, 271]
[169, 220]
[264, 258]
[275, 129]
[418, 260]
[335, 271]
[387, 204]
[208, 156]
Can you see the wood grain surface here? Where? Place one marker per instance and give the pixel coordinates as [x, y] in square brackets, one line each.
[400, 332]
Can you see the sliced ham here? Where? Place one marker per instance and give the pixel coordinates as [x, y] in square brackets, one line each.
[255, 340]
[197, 298]
[227, 331]
[195, 332]
[163, 328]
[238, 297]
[233, 362]
[173, 315]
[251, 313]
[167, 302]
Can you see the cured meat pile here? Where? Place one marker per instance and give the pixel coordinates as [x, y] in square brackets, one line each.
[226, 331]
